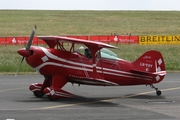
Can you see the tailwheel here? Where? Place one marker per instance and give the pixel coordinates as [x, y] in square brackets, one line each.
[38, 94]
[158, 92]
[51, 98]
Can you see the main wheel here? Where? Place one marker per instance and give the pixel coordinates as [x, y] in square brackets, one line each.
[52, 98]
[158, 92]
[38, 94]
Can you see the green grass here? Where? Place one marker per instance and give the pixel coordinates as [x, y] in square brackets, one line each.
[21, 22]
[10, 60]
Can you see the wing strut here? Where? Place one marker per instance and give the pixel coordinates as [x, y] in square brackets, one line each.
[93, 51]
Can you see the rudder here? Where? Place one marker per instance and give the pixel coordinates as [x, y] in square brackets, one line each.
[151, 61]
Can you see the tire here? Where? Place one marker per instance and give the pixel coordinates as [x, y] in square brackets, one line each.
[158, 92]
[52, 98]
[38, 94]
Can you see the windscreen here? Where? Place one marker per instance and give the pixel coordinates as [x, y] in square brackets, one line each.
[106, 53]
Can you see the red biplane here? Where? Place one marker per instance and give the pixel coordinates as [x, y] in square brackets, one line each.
[89, 63]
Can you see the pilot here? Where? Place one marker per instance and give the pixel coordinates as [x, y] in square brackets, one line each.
[87, 53]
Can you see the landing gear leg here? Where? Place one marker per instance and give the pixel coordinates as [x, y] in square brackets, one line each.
[38, 88]
[158, 92]
[54, 91]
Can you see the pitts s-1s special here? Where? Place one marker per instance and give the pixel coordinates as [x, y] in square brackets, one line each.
[89, 63]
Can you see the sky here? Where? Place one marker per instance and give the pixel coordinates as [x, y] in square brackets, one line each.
[156, 5]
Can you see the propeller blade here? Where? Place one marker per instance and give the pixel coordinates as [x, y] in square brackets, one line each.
[31, 38]
[27, 48]
[19, 66]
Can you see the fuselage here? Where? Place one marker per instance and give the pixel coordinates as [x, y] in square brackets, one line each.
[77, 68]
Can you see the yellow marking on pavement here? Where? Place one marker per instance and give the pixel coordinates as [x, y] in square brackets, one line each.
[66, 105]
[11, 89]
[169, 89]
[83, 103]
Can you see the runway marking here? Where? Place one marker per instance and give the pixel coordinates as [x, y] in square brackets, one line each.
[145, 93]
[169, 89]
[12, 89]
[83, 103]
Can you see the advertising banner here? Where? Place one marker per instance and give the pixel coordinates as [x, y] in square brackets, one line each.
[100, 38]
[128, 39]
[116, 39]
[142, 40]
[146, 40]
[18, 41]
[3, 41]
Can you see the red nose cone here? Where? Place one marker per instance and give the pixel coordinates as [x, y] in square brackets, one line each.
[23, 52]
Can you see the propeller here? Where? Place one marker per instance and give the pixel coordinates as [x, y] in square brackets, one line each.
[31, 38]
[27, 48]
[19, 66]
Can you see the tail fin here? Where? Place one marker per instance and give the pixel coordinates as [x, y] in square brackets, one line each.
[150, 62]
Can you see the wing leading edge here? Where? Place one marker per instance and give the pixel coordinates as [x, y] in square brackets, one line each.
[51, 41]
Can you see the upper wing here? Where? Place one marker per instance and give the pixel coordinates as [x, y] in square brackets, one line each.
[53, 40]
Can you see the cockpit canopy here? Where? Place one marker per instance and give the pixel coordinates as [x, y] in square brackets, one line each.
[103, 53]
